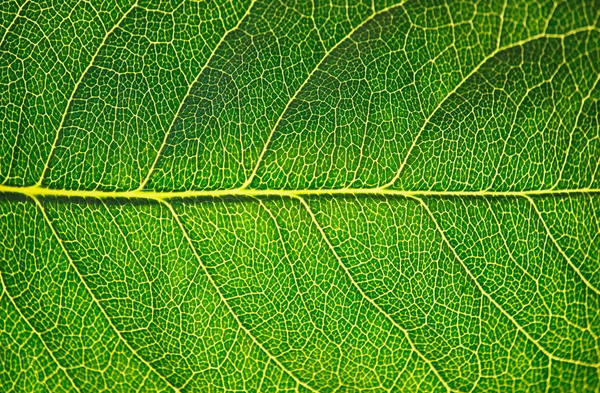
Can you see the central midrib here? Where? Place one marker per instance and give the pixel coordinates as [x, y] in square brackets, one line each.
[38, 191]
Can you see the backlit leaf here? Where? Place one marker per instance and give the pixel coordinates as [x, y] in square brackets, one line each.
[303, 196]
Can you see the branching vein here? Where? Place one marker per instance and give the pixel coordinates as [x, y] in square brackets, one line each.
[189, 241]
[542, 349]
[369, 299]
[93, 297]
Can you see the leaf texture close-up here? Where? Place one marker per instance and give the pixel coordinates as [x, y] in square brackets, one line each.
[300, 196]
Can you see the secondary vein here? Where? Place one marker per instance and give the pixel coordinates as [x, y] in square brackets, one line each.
[370, 300]
[95, 299]
[518, 326]
[190, 243]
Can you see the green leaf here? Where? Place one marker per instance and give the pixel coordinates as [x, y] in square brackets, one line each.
[309, 196]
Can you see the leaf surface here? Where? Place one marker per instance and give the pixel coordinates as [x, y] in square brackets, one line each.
[305, 196]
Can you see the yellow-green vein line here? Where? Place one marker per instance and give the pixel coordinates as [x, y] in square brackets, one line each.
[94, 299]
[368, 298]
[189, 241]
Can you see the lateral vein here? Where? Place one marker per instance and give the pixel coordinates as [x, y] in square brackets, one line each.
[267, 142]
[94, 299]
[76, 87]
[559, 248]
[176, 114]
[537, 344]
[487, 58]
[37, 333]
[226, 303]
[369, 299]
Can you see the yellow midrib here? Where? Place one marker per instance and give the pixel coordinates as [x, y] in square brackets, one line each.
[37, 191]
